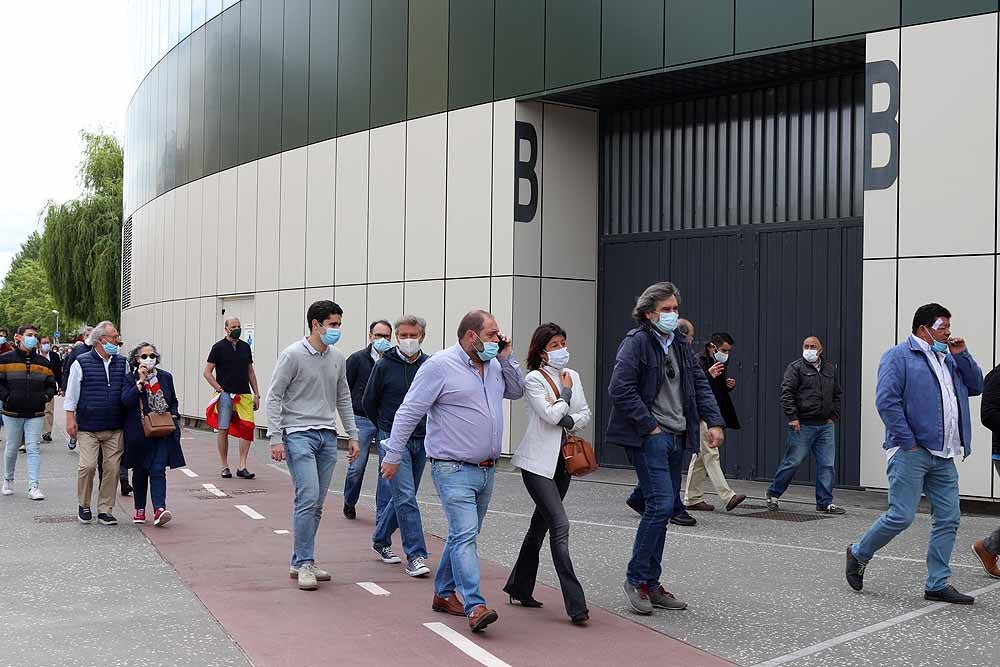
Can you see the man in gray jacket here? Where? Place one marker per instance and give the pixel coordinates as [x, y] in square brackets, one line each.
[309, 379]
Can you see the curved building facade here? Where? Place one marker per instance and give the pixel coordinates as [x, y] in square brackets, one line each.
[546, 159]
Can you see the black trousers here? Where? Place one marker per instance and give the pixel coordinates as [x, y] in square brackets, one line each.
[549, 516]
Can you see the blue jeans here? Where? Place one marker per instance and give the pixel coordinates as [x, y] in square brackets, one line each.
[401, 509]
[910, 472]
[817, 439]
[311, 457]
[30, 429]
[356, 470]
[465, 490]
[658, 466]
[151, 473]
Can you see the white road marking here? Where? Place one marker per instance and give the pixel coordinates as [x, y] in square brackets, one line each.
[465, 645]
[250, 512]
[189, 472]
[850, 636]
[373, 588]
[214, 490]
[281, 532]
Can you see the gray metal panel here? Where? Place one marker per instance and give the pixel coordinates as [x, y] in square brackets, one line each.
[782, 153]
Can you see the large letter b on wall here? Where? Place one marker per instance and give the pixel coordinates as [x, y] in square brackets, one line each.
[883, 122]
[524, 170]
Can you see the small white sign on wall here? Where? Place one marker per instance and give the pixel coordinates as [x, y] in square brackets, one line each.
[248, 335]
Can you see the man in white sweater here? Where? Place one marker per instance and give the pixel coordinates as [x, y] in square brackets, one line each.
[308, 389]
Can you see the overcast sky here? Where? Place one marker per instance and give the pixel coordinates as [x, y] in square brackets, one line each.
[64, 68]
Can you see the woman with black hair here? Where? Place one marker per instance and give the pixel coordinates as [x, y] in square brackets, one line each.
[149, 388]
[555, 405]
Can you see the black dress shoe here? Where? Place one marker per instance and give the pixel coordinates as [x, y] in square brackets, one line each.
[126, 487]
[950, 595]
[243, 473]
[855, 570]
[637, 507]
[350, 512]
[683, 519]
[524, 602]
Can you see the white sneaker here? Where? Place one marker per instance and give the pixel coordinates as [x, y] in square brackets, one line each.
[321, 575]
[307, 578]
[8, 487]
[35, 493]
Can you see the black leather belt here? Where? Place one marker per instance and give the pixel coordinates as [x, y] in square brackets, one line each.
[482, 464]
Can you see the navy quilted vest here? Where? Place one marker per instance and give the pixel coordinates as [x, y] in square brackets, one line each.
[100, 404]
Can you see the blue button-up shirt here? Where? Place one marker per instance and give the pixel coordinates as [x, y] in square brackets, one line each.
[464, 409]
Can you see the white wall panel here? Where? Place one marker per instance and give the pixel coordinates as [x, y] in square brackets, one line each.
[385, 302]
[502, 247]
[181, 244]
[268, 221]
[526, 312]
[571, 304]
[193, 362]
[919, 283]
[426, 156]
[878, 334]
[208, 333]
[948, 160]
[426, 299]
[469, 191]
[246, 227]
[569, 231]
[528, 235]
[266, 344]
[165, 245]
[354, 331]
[320, 205]
[210, 236]
[881, 206]
[198, 243]
[387, 203]
[228, 238]
[351, 244]
[502, 307]
[292, 244]
[462, 295]
[314, 294]
[291, 317]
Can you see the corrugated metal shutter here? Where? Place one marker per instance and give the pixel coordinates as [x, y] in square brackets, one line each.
[127, 264]
[783, 153]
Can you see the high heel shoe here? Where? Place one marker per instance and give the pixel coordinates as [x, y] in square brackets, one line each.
[580, 619]
[527, 602]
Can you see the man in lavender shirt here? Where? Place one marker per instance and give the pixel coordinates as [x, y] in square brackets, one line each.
[461, 391]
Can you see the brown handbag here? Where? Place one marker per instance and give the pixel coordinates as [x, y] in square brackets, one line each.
[154, 424]
[577, 453]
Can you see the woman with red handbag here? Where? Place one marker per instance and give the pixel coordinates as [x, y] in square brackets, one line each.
[150, 403]
[555, 405]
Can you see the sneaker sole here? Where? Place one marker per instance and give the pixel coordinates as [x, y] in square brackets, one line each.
[419, 573]
[138, 522]
[632, 605]
[295, 575]
[656, 606]
[982, 564]
[308, 587]
[388, 561]
[107, 523]
[38, 497]
[164, 518]
[84, 520]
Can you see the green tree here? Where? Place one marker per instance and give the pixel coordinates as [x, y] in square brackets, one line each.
[81, 245]
[30, 249]
[25, 298]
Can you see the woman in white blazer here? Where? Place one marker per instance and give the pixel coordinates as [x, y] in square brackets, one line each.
[555, 403]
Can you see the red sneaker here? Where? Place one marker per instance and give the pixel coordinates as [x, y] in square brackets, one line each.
[139, 516]
[161, 516]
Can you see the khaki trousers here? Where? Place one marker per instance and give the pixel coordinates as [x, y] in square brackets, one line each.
[706, 464]
[49, 413]
[88, 444]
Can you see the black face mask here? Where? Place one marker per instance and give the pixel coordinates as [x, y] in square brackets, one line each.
[236, 333]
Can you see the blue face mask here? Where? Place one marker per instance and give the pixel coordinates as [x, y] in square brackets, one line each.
[111, 349]
[939, 347]
[490, 350]
[3, 340]
[46, 348]
[330, 336]
[381, 345]
[29, 342]
[667, 322]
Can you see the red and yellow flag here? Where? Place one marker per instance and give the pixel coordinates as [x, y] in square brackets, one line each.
[241, 425]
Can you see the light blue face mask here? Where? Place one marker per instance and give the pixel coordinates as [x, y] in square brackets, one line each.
[331, 336]
[111, 349]
[939, 347]
[30, 342]
[667, 322]
[382, 345]
[490, 350]
[3, 340]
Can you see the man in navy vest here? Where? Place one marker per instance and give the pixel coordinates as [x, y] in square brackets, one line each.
[94, 416]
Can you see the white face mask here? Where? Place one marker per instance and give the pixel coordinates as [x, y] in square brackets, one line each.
[409, 346]
[148, 363]
[721, 357]
[559, 358]
[810, 355]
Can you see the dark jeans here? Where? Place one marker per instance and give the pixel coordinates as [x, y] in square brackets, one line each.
[637, 497]
[658, 466]
[993, 541]
[815, 438]
[549, 516]
[152, 472]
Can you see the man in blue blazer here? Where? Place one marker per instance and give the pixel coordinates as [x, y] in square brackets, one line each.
[922, 396]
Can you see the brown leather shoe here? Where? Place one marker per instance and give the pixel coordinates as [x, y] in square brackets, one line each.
[700, 506]
[735, 502]
[987, 558]
[449, 605]
[480, 617]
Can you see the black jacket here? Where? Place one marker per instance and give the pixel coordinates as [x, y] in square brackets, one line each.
[359, 368]
[808, 395]
[56, 362]
[138, 448]
[72, 356]
[990, 407]
[27, 383]
[721, 391]
[387, 387]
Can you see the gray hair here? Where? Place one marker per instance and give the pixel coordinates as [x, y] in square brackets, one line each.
[133, 356]
[412, 321]
[99, 331]
[646, 303]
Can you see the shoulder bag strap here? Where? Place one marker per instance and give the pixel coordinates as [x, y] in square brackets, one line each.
[552, 384]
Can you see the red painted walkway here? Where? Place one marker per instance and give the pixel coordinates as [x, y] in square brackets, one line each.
[238, 567]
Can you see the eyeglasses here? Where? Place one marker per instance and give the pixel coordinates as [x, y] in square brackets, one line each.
[147, 356]
[670, 367]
